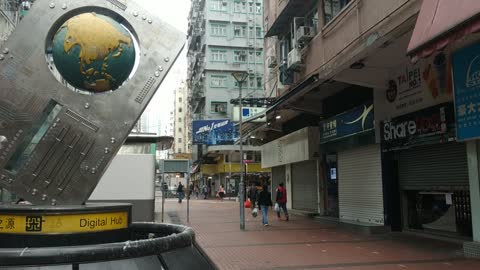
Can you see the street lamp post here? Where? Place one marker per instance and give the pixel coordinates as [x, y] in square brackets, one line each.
[241, 77]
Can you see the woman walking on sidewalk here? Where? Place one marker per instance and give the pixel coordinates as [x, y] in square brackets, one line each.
[264, 201]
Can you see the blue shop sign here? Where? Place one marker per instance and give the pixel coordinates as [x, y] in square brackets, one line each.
[214, 132]
[357, 120]
[466, 74]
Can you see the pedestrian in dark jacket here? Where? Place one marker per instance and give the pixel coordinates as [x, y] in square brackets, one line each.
[264, 201]
[180, 192]
[282, 201]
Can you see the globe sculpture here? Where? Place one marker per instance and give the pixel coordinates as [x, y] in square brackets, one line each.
[93, 52]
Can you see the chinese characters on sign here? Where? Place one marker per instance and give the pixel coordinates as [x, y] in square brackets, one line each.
[357, 120]
[466, 72]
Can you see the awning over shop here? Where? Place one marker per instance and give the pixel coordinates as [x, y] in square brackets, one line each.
[441, 22]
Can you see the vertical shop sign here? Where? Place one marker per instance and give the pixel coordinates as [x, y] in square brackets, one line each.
[466, 72]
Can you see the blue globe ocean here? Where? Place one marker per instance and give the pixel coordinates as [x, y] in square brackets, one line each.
[93, 52]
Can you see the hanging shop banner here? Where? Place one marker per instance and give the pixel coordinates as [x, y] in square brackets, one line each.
[466, 72]
[214, 132]
[432, 125]
[357, 120]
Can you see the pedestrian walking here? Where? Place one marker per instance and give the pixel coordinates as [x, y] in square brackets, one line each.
[282, 201]
[252, 195]
[196, 190]
[264, 201]
[180, 193]
[221, 192]
[190, 191]
[205, 191]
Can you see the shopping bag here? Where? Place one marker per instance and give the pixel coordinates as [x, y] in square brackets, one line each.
[276, 207]
[247, 203]
[255, 212]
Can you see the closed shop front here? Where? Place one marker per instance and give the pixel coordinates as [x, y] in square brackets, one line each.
[304, 186]
[360, 185]
[353, 167]
[432, 171]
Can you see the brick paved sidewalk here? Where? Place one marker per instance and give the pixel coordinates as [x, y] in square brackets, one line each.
[303, 243]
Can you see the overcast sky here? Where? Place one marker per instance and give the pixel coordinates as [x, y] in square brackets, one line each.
[174, 12]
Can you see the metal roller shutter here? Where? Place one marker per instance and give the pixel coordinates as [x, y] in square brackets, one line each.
[435, 167]
[360, 185]
[304, 186]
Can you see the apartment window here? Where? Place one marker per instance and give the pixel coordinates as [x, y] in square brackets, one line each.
[179, 109]
[179, 150]
[239, 56]
[179, 119]
[259, 8]
[179, 140]
[259, 82]
[251, 8]
[179, 99]
[251, 82]
[259, 32]
[180, 130]
[239, 30]
[219, 5]
[219, 30]
[219, 56]
[251, 31]
[332, 7]
[218, 107]
[218, 81]
[239, 6]
[258, 57]
[251, 57]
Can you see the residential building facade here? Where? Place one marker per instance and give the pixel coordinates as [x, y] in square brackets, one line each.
[182, 127]
[377, 126]
[224, 36]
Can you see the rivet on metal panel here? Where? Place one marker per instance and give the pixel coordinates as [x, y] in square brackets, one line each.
[144, 17]
[52, 5]
[6, 51]
[135, 14]
[44, 197]
[87, 105]
[125, 123]
[54, 202]
[113, 140]
[106, 150]
[157, 74]
[150, 21]
[54, 125]
[10, 180]
[34, 192]
[160, 68]
[64, 6]
[93, 171]
[2, 57]
[3, 142]
[166, 59]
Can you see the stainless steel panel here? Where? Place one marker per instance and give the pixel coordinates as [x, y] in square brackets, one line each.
[82, 133]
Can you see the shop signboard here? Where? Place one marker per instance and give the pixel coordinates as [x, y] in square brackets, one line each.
[413, 87]
[249, 112]
[214, 132]
[466, 72]
[431, 125]
[357, 120]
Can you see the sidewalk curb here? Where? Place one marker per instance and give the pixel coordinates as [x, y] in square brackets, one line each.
[205, 255]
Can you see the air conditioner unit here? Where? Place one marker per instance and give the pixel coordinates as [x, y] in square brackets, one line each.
[295, 60]
[305, 34]
[271, 61]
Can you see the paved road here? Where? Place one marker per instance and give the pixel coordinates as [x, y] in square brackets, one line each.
[303, 243]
